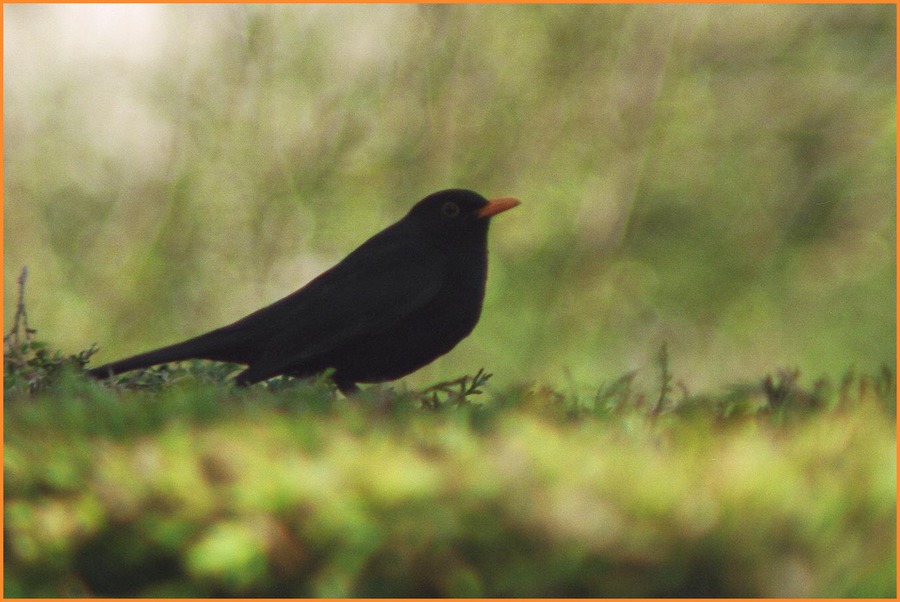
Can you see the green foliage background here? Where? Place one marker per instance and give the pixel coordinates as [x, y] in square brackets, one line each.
[717, 177]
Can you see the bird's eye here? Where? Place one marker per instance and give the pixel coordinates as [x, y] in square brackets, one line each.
[450, 209]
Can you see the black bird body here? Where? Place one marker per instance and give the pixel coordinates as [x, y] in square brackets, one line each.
[404, 297]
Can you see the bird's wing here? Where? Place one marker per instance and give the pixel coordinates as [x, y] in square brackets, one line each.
[368, 292]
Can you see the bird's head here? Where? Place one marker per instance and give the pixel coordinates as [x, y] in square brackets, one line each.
[457, 213]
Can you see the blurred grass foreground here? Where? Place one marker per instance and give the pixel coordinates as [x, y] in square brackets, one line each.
[197, 490]
[715, 182]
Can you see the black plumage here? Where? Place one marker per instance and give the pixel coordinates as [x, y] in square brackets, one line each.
[404, 297]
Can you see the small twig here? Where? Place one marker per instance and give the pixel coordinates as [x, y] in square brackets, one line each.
[20, 321]
[444, 386]
[665, 378]
[459, 396]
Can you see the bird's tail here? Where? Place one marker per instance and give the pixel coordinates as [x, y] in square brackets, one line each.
[172, 353]
[213, 346]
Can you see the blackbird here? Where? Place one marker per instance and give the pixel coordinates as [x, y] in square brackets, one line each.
[404, 297]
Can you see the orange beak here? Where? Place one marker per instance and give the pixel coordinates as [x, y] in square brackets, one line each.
[496, 206]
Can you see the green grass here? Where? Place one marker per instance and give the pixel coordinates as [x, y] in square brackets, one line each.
[174, 483]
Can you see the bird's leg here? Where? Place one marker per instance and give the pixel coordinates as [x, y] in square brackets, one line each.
[385, 401]
[349, 389]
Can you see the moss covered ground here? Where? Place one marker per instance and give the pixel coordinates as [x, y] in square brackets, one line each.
[174, 483]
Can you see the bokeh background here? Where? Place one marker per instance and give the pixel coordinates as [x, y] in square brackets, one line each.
[718, 178]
